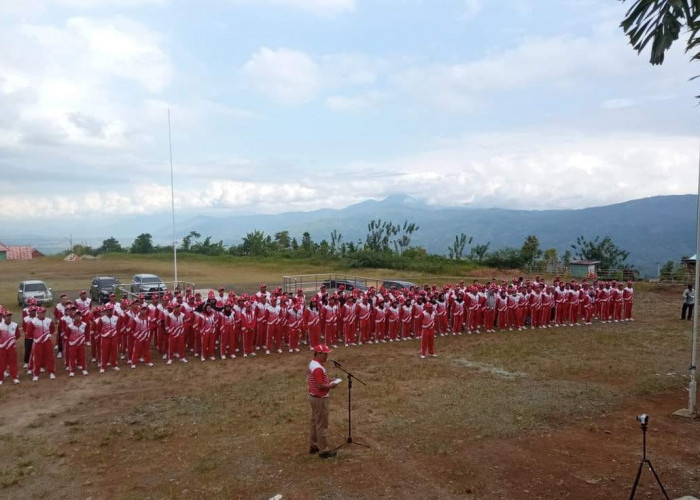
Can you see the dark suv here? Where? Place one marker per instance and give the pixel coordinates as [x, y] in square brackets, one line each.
[101, 287]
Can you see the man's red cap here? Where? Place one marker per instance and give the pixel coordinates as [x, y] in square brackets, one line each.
[322, 348]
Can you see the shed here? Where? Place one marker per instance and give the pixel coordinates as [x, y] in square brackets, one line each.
[3, 252]
[583, 268]
[21, 252]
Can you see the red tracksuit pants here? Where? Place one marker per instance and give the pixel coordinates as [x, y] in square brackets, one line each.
[617, 310]
[393, 329]
[261, 332]
[108, 352]
[142, 349]
[427, 341]
[248, 340]
[349, 332]
[294, 334]
[43, 358]
[176, 344]
[502, 319]
[457, 322]
[314, 335]
[380, 330]
[228, 341]
[364, 330]
[76, 357]
[331, 333]
[405, 329]
[274, 336]
[8, 361]
[208, 343]
[628, 309]
[489, 318]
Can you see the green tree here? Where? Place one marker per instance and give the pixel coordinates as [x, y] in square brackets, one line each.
[110, 245]
[478, 252]
[551, 259]
[456, 250]
[307, 246]
[187, 240]
[282, 240]
[142, 244]
[661, 22]
[605, 251]
[256, 244]
[379, 234]
[667, 269]
[336, 238]
[505, 258]
[531, 249]
[405, 235]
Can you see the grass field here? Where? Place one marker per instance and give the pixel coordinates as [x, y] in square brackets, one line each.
[539, 414]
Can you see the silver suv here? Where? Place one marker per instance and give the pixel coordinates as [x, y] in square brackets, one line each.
[147, 283]
[34, 289]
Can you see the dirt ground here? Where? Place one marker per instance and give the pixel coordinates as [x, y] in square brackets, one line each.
[539, 414]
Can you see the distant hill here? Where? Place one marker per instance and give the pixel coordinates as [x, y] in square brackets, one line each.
[654, 230]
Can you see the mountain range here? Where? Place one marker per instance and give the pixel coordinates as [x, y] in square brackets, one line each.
[654, 230]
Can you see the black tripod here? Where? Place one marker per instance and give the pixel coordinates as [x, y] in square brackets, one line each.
[349, 439]
[645, 460]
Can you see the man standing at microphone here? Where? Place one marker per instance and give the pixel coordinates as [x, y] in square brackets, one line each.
[319, 386]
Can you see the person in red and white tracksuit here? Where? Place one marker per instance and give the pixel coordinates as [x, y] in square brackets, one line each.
[330, 321]
[227, 323]
[141, 331]
[9, 334]
[76, 333]
[379, 322]
[107, 330]
[628, 300]
[272, 324]
[28, 340]
[294, 322]
[175, 325]
[406, 318]
[206, 327]
[41, 330]
[312, 322]
[260, 306]
[248, 328]
[348, 312]
[363, 311]
[427, 341]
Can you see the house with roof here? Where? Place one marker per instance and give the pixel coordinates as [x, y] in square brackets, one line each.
[18, 252]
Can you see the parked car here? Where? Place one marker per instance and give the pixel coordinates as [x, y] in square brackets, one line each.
[350, 285]
[147, 283]
[101, 287]
[398, 284]
[34, 289]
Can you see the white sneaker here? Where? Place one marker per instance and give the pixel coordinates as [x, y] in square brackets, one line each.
[85, 372]
[25, 366]
[183, 360]
[71, 374]
[170, 362]
[422, 356]
[59, 355]
[245, 355]
[165, 356]
[297, 350]
[52, 376]
[223, 357]
[102, 370]
[203, 359]
[0, 382]
[292, 350]
[149, 364]
[15, 380]
[94, 360]
[35, 378]
[434, 355]
[279, 351]
[267, 352]
[233, 356]
[133, 367]
[116, 368]
[212, 358]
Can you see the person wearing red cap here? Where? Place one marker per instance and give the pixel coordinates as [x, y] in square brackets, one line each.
[319, 387]
[294, 322]
[418, 315]
[312, 322]
[406, 317]
[427, 339]
[330, 321]
[348, 312]
[9, 334]
[107, 329]
[58, 312]
[41, 330]
[272, 323]
[141, 331]
[175, 325]
[28, 340]
[364, 312]
[392, 320]
[380, 322]
[76, 333]
[617, 302]
[458, 308]
[628, 300]
[260, 307]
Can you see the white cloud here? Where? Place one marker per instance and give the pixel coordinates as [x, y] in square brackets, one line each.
[294, 77]
[92, 4]
[288, 75]
[524, 170]
[472, 8]
[359, 102]
[321, 8]
[617, 103]
[70, 84]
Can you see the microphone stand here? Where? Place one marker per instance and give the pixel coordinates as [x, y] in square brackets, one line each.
[349, 439]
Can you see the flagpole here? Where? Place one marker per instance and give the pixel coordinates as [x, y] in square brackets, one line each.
[172, 198]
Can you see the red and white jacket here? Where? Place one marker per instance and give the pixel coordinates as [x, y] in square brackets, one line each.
[9, 334]
[76, 334]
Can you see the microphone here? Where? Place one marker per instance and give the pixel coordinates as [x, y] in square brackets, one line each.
[335, 362]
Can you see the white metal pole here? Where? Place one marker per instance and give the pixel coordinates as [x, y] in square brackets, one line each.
[172, 197]
[693, 387]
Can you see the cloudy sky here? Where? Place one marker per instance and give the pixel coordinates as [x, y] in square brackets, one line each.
[282, 105]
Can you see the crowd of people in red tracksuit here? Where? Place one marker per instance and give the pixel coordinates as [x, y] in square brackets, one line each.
[225, 325]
